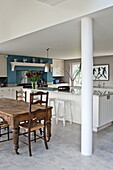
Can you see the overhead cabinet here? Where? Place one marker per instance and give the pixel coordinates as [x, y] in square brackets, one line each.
[58, 68]
[3, 66]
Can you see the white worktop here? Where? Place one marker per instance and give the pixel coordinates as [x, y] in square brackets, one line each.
[102, 106]
[98, 92]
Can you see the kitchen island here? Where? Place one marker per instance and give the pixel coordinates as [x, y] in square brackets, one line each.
[102, 105]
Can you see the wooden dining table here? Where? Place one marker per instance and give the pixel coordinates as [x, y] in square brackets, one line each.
[14, 112]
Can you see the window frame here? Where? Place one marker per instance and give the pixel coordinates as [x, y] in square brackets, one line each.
[72, 74]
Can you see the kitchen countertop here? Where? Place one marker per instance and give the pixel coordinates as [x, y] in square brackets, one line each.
[5, 87]
[74, 91]
[102, 93]
[101, 87]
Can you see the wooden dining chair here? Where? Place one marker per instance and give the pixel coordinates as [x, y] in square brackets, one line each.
[4, 129]
[21, 95]
[39, 99]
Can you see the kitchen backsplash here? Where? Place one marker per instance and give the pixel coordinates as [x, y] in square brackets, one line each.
[14, 77]
[21, 77]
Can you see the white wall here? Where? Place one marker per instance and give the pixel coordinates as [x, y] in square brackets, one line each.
[20, 17]
[97, 60]
[105, 60]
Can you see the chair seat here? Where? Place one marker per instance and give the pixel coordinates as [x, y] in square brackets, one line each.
[34, 126]
[3, 124]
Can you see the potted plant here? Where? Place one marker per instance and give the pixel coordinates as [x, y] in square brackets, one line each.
[33, 76]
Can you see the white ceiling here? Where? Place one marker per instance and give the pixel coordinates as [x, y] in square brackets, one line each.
[52, 2]
[64, 39]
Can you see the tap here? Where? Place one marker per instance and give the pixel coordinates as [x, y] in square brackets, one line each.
[99, 85]
[72, 91]
[42, 81]
[103, 84]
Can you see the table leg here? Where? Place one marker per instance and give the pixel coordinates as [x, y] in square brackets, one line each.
[15, 140]
[48, 129]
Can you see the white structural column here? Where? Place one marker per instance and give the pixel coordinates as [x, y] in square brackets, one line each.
[87, 85]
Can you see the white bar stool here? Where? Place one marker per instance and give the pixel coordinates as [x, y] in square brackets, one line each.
[64, 111]
[52, 101]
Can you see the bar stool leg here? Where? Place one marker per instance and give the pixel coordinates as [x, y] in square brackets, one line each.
[54, 108]
[71, 113]
[57, 113]
[64, 106]
[54, 104]
[64, 117]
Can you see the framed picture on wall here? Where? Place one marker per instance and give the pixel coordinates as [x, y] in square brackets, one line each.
[101, 72]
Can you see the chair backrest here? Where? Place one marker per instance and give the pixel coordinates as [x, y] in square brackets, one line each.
[39, 98]
[21, 95]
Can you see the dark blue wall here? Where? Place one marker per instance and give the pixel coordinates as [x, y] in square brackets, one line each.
[11, 75]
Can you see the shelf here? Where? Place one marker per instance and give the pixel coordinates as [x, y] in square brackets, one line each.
[13, 64]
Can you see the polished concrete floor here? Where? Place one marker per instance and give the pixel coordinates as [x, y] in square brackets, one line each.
[64, 152]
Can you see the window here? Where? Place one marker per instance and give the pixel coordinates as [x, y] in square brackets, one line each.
[75, 72]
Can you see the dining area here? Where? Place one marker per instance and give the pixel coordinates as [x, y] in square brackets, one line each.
[30, 117]
[63, 143]
[63, 153]
[58, 147]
